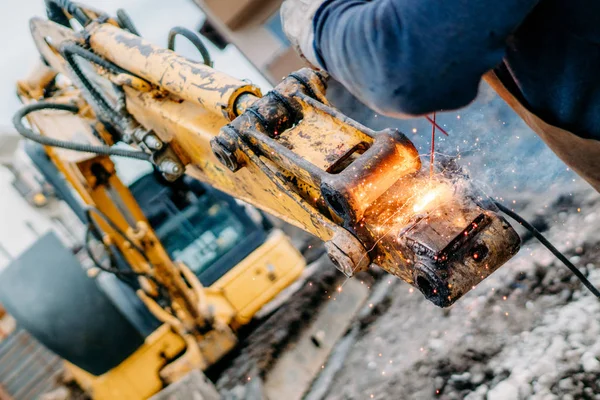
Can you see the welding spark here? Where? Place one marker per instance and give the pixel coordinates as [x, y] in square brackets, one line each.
[428, 199]
[425, 201]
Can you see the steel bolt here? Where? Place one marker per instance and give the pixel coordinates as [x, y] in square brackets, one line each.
[340, 259]
[170, 167]
[226, 153]
[347, 253]
[153, 142]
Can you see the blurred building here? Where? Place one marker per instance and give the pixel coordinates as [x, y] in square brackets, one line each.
[254, 27]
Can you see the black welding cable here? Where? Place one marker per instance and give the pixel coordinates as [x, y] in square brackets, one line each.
[63, 144]
[550, 247]
[194, 38]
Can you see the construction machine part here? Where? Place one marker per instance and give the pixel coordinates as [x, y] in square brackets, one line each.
[432, 232]
[50, 295]
[138, 376]
[292, 155]
[449, 242]
[194, 385]
[216, 91]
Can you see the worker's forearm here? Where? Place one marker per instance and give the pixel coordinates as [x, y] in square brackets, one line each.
[411, 57]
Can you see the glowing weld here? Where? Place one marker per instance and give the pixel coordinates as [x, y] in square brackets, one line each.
[428, 199]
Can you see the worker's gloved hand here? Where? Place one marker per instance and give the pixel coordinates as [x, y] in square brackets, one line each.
[297, 19]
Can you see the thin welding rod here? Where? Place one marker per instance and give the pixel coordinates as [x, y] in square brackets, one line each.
[433, 126]
[428, 118]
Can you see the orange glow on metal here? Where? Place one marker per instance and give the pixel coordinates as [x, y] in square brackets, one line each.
[429, 198]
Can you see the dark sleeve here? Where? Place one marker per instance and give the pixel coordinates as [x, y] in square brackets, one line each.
[412, 57]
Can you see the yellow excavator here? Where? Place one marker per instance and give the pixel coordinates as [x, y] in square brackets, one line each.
[202, 271]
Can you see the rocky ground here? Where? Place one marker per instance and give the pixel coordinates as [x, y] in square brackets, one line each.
[530, 331]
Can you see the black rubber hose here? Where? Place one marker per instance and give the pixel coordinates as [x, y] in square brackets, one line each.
[194, 38]
[126, 22]
[88, 214]
[63, 144]
[91, 223]
[56, 12]
[94, 97]
[73, 48]
[164, 293]
[88, 236]
[550, 247]
[106, 112]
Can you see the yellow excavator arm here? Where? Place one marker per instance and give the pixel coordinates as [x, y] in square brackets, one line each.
[288, 153]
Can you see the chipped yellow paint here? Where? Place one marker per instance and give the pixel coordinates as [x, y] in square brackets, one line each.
[190, 80]
[190, 128]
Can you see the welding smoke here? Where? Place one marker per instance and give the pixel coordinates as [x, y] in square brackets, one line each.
[487, 138]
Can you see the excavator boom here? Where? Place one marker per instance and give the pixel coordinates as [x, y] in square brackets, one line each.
[288, 153]
[294, 156]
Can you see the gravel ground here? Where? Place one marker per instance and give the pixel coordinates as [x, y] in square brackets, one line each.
[530, 331]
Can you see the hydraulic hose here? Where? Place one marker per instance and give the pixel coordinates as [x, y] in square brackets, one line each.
[63, 144]
[73, 48]
[88, 213]
[101, 105]
[121, 273]
[126, 22]
[193, 38]
[56, 12]
[164, 293]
